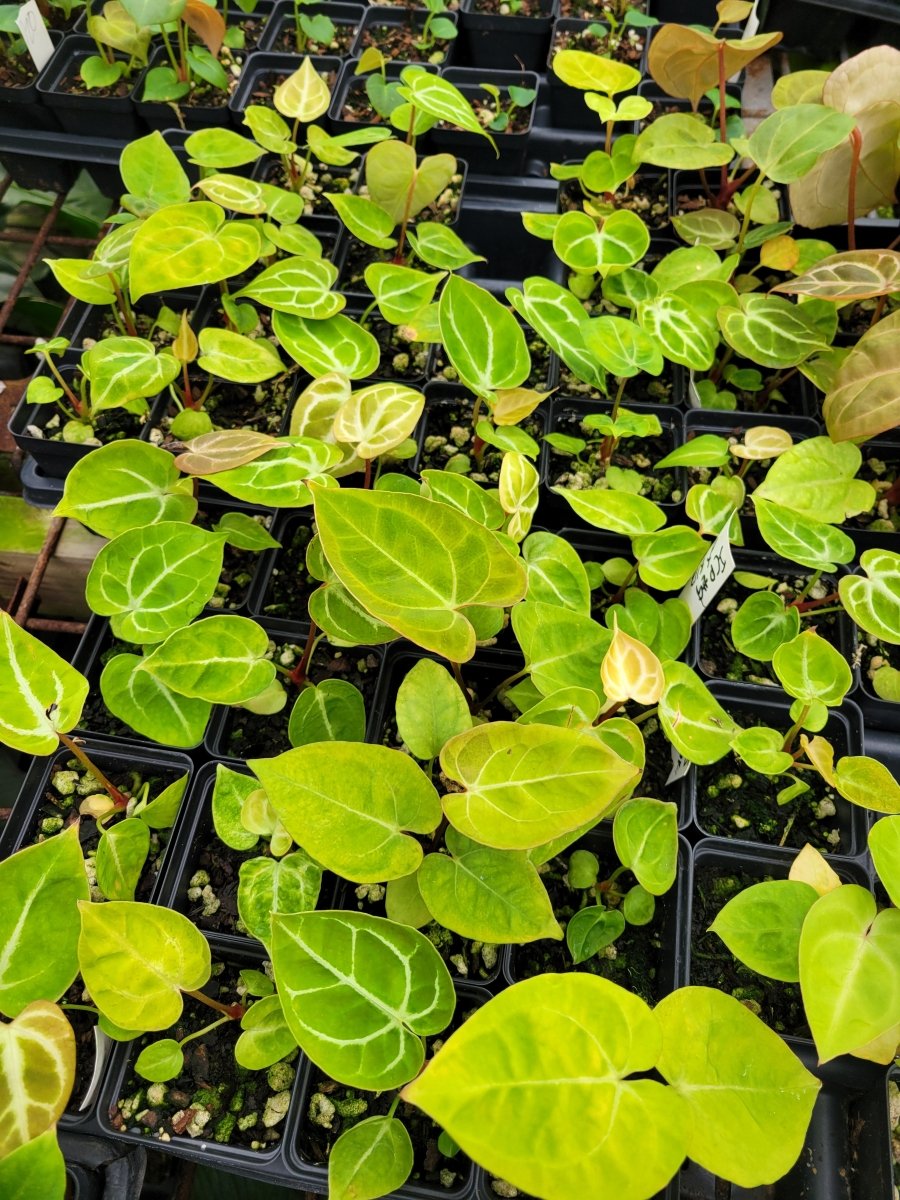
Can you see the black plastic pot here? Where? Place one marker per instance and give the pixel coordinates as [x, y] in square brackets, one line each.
[98, 1169]
[378, 16]
[491, 225]
[264, 71]
[567, 106]
[505, 43]
[800, 400]
[512, 148]
[88, 320]
[266, 1165]
[689, 184]
[79, 112]
[565, 416]
[279, 35]
[21, 108]
[160, 115]
[771, 565]
[57, 457]
[844, 729]
[352, 87]
[235, 735]
[887, 450]
[313, 1176]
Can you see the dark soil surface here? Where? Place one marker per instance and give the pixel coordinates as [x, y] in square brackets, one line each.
[264, 88]
[718, 657]
[248, 735]
[449, 436]
[874, 654]
[73, 85]
[748, 810]
[286, 41]
[649, 198]
[626, 46]
[524, 8]
[881, 468]
[642, 389]
[112, 425]
[144, 323]
[315, 184]
[404, 42]
[634, 961]
[59, 805]
[713, 965]
[213, 1097]
[330, 1108]
[260, 407]
[634, 454]
[406, 362]
[17, 72]
[290, 586]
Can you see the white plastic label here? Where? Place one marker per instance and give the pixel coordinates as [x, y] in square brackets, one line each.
[34, 31]
[752, 24]
[680, 767]
[693, 395]
[706, 582]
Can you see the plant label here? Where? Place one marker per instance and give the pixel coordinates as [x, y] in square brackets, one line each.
[34, 31]
[693, 394]
[706, 582]
[680, 767]
[751, 25]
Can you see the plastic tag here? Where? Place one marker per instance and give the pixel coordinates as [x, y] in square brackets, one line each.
[680, 767]
[693, 394]
[706, 582]
[752, 24]
[34, 31]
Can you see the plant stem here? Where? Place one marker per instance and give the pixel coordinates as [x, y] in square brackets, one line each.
[298, 675]
[617, 598]
[367, 482]
[168, 44]
[609, 712]
[855, 152]
[748, 208]
[186, 383]
[651, 712]
[127, 315]
[776, 383]
[233, 1011]
[805, 606]
[393, 1107]
[810, 584]
[795, 728]
[55, 372]
[720, 366]
[206, 1028]
[502, 685]
[118, 799]
[723, 116]
[79, 1008]
[879, 309]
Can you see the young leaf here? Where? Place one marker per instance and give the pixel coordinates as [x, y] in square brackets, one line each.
[376, 419]
[645, 833]
[630, 671]
[189, 244]
[154, 580]
[237, 358]
[370, 1159]
[685, 62]
[230, 791]
[787, 144]
[267, 885]
[401, 186]
[526, 784]
[162, 810]
[815, 478]
[126, 485]
[219, 659]
[439, 98]
[556, 315]
[562, 648]
[762, 624]
[332, 711]
[620, 241]
[279, 477]
[266, 1038]
[160, 1061]
[761, 926]
[440, 247]
[40, 932]
[401, 292]
[873, 599]
[40, 694]
[245, 532]
[679, 141]
[592, 929]
[352, 806]
[884, 846]
[303, 96]
[336, 344]
[489, 895]
[618, 512]
[850, 971]
[152, 175]
[556, 574]
[805, 541]
[136, 959]
[37, 1065]
[693, 720]
[121, 856]
[810, 668]
[138, 698]
[483, 340]
[220, 149]
[518, 493]
[430, 709]
[390, 550]
[325, 963]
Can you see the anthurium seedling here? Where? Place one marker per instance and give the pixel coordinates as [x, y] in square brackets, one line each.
[709, 1083]
[831, 938]
[190, 65]
[601, 79]
[117, 372]
[123, 46]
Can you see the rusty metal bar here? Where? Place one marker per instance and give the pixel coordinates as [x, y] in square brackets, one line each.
[53, 625]
[53, 239]
[30, 259]
[23, 609]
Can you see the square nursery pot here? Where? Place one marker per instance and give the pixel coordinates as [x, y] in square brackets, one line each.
[718, 872]
[98, 1169]
[280, 33]
[163, 115]
[58, 457]
[713, 654]
[265, 71]
[512, 147]
[82, 111]
[567, 106]
[219, 1144]
[385, 27]
[236, 734]
[87, 323]
[491, 225]
[20, 102]
[650, 960]
[504, 43]
[566, 417]
[308, 1144]
[350, 89]
[717, 797]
